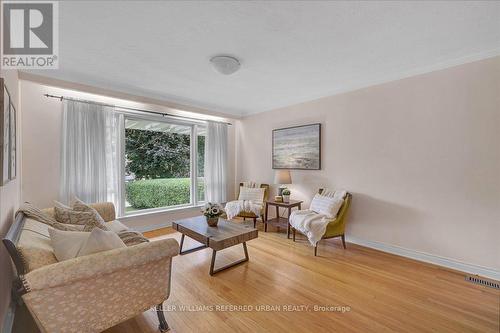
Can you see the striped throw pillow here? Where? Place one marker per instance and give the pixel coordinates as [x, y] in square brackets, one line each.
[328, 206]
[251, 194]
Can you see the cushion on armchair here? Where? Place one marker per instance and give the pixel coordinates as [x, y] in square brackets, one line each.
[251, 194]
[326, 205]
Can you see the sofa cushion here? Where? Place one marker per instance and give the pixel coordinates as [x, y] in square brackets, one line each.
[72, 244]
[90, 218]
[105, 209]
[100, 240]
[117, 226]
[34, 245]
[67, 244]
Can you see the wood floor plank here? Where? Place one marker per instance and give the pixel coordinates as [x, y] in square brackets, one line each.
[385, 293]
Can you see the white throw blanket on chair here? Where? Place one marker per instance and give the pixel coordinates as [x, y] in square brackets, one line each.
[310, 223]
[233, 208]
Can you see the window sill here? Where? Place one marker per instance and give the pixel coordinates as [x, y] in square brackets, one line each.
[154, 211]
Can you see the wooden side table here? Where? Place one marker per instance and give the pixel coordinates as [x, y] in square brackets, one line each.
[278, 220]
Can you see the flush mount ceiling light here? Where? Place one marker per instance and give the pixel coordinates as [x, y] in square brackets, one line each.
[225, 64]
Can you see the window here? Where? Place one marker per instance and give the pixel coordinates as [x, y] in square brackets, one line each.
[161, 159]
[200, 160]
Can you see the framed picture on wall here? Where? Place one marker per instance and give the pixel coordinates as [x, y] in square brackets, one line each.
[4, 134]
[12, 142]
[297, 147]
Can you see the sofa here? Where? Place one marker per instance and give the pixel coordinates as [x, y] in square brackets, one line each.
[88, 293]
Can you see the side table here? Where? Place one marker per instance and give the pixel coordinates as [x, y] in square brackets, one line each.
[278, 220]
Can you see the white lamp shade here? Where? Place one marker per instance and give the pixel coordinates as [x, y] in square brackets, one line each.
[282, 177]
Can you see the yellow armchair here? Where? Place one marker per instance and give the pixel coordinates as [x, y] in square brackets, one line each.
[336, 226]
[251, 215]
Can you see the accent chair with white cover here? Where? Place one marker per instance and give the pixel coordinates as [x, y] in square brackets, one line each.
[325, 218]
[250, 203]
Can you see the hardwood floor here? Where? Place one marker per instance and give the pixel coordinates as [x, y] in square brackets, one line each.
[384, 292]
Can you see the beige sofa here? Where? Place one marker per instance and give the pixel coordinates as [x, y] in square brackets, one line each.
[89, 293]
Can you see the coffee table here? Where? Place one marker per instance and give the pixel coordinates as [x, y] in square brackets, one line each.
[225, 235]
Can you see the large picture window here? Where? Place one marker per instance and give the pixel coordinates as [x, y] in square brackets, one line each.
[163, 164]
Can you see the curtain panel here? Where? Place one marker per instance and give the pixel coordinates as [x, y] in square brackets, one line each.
[216, 163]
[91, 153]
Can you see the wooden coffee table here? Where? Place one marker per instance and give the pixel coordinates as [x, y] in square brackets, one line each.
[225, 235]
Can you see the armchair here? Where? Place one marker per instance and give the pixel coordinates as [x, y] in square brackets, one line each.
[251, 215]
[336, 226]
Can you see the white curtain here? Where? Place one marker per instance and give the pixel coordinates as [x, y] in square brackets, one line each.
[216, 162]
[91, 153]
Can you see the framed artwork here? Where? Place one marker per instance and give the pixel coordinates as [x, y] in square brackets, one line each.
[8, 135]
[12, 142]
[4, 134]
[297, 147]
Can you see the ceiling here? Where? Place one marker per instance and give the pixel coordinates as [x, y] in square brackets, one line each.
[290, 52]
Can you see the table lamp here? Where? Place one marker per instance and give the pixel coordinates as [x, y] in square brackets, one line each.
[282, 177]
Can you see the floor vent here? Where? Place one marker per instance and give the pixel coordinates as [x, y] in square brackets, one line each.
[483, 282]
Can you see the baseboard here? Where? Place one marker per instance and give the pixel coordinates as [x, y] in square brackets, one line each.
[429, 258]
[8, 321]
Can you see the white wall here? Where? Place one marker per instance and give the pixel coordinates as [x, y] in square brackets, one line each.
[9, 201]
[420, 155]
[41, 127]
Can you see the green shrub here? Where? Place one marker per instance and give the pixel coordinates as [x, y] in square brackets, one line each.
[154, 193]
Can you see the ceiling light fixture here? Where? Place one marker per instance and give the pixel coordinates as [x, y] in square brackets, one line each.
[225, 64]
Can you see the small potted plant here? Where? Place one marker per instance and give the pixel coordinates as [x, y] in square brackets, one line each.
[212, 211]
[286, 195]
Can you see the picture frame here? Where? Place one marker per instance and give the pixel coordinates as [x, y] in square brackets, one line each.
[297, 147]
[8, 136]
[12, 143]
[4, 133]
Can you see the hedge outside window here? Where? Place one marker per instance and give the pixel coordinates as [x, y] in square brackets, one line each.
[158, 164]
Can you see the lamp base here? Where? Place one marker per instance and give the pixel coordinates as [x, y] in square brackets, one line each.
[280, 190]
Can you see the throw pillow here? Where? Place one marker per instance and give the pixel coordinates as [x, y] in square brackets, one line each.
[251, 194]
[90, 219]
[100, 240]
[79, 205]
[116, 226]
[67, 244]
[72, 244]
[328, 206]
[340, 194]
[328, 192]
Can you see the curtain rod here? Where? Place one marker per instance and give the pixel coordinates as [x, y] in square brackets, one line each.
[132, 109]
